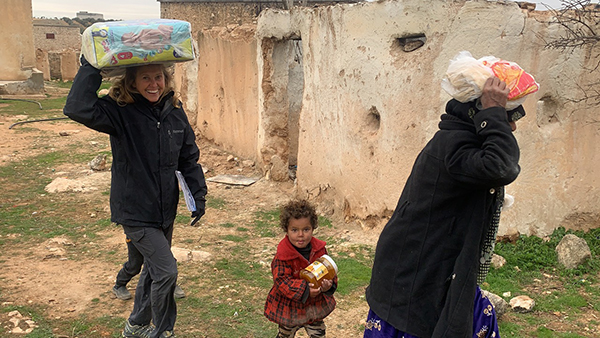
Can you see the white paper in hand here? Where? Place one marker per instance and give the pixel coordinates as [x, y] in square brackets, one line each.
[189, 199]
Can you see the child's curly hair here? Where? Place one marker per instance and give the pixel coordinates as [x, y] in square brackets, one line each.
[298, 209]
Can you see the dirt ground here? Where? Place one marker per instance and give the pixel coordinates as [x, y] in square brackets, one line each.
[43, 275]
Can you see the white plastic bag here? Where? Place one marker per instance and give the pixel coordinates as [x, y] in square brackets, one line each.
[465, 77]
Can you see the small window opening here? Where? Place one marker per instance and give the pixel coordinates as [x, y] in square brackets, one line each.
[412, 42]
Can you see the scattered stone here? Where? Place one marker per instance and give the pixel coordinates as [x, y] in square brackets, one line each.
[181, 255]
[500, 305]
[87, 183]
[60, 241]
[201, 256]
[68, 132]
[20, 324]
[510, 236]
[572, 251]
[279, 169]
[215, 151]
[522, 304]
[248, 163]
[498, 261]
[98, 163]
[507, 294]
[230, 158]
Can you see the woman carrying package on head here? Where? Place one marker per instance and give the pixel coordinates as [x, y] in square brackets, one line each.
[436, 249]
[151, 138]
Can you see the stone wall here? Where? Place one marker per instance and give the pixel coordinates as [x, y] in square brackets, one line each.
[368, 102]
[18, 61]
[223, 117]
[64, 37]
[203, 15]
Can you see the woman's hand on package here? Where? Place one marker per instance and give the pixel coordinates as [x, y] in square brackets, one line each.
[494, 93]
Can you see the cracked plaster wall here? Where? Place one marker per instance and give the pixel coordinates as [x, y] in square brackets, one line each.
[369, 107]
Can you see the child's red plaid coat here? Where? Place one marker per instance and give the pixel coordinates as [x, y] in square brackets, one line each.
[284, 303]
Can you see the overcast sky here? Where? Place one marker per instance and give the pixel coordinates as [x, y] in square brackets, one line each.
[111, 9]
[134, 9]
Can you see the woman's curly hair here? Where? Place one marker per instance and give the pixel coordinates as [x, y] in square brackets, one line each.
[298, 209]
[123, 87]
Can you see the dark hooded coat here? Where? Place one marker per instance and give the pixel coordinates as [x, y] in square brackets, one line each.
[426, 262]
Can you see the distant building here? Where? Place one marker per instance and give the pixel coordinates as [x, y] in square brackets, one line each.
[57, 47]
[55, 35]
[87, 15]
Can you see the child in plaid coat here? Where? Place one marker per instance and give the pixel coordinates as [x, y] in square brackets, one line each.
[293, 303]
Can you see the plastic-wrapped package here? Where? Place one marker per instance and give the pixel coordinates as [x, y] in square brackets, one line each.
[125, 43]
[466, 77]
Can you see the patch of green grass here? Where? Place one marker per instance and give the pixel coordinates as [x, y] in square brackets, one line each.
[325, 222]
[227, 225]
[26, 210]
[543, 332]
[569, 300]
[234, 238]
[51, 108]
[227, 315]
[531, 256]
[354, 272]
[183, 218]
[59, 83]
[92, 327]
[266, 223]
[215, 202]
[536, 259]
[237, 270]
[44, 328]
[241, 229]
[510, 329]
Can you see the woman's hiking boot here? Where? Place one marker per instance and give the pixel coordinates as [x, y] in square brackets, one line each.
[121, 292]
[178, 292]
[137, 331]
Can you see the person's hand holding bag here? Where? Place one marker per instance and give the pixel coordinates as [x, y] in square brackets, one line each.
[494, 93]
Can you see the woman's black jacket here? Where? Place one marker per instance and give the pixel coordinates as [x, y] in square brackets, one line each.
[426, 262]
[149, 142]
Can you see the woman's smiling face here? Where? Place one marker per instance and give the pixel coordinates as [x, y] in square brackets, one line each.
[150, 82]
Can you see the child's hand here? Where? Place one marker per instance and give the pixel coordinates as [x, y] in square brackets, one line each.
[326, 285]
[314, 291]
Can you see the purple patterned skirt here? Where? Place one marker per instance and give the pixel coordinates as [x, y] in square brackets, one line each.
[484, 322]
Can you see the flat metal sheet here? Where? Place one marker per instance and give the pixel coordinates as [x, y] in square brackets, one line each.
[233, 179]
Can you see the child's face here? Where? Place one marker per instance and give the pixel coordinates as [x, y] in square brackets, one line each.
[300, 232]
